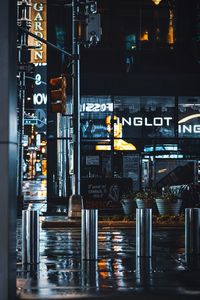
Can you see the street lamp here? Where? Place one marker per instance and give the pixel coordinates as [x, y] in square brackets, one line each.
[157, 2]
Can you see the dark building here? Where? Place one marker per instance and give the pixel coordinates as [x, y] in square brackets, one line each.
[140, 103]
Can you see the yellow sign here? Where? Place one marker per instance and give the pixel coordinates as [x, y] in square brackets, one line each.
[119, 143]
[39, 24]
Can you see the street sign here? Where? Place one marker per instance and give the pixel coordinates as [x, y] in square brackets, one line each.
[30, 121]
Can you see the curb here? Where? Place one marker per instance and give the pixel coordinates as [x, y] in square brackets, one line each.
[101, 224]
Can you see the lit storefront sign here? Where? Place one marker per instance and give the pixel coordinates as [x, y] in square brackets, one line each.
[38, 57]
[97, 107]
[162, 121]
[135, 118]
[40, 97]
[140, 121]
[189, 128]
[38, 16]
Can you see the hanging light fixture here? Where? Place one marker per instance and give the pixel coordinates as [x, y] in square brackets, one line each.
[156, 1]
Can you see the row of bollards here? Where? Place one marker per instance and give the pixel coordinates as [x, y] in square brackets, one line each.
[89, 234]
[144, 232]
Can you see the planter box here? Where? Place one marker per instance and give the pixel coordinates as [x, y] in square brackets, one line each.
[144, 203]
[128, 206]
[168, 207]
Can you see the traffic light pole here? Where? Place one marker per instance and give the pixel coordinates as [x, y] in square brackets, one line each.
[76, 97]
[22, 76]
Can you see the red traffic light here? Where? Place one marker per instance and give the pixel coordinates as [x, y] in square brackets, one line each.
[58, 94]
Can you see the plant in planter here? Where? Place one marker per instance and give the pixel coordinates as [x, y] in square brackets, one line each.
[128, 203]
[145, 199]
[169, 201]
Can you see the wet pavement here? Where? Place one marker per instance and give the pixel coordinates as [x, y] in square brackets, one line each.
[61, 274]
[35, 190]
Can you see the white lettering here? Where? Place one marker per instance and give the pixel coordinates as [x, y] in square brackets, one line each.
[96, 107]
[38, 79]
[39, 99]
[38, 55]
[186, 128]
[137, 121]
[102, 107]
[196, 128]
[89, 107]
[126, 121]
[167, 120]
[38, 33]
[146, 122]
[38, 6]
[39, 45]
[158, 121]
[38, 17]
[109, 106]
[38, 26]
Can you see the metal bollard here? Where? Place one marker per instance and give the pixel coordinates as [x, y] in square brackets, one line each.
[144, 271]
[30, 237]
[89, 234]
[144, 232]
[89, 273]
[192, 231]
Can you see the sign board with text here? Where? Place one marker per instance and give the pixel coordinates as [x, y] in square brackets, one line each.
[104, 192]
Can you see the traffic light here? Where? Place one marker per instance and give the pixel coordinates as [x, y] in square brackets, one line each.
[58, 94]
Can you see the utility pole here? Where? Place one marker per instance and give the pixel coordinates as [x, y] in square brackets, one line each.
[76, 97]
[91, 36]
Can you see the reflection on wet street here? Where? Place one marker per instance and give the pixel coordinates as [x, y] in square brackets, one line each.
[61, 271]
[61, 274]
[35, 190]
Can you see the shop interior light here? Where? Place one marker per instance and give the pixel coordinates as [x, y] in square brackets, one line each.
[157, 2]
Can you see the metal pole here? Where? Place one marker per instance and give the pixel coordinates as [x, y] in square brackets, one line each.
[144, 271]
[22, 76]
[46, 42]
[144, 232]
[192, 231]
[89, 234]
[76, 96]
[89, 273]
[30, 237]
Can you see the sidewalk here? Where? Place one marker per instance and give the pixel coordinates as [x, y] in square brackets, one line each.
[62, 275]
[64, 222]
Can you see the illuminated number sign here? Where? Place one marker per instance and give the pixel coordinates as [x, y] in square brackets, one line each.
[97, 107]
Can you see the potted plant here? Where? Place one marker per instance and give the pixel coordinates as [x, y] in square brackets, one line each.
[169, 202]
[128, 202]
[145, 199]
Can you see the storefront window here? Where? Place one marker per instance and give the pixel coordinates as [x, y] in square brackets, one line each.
[140, 139]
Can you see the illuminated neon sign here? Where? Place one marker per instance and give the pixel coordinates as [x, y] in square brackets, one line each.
[38, 16]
